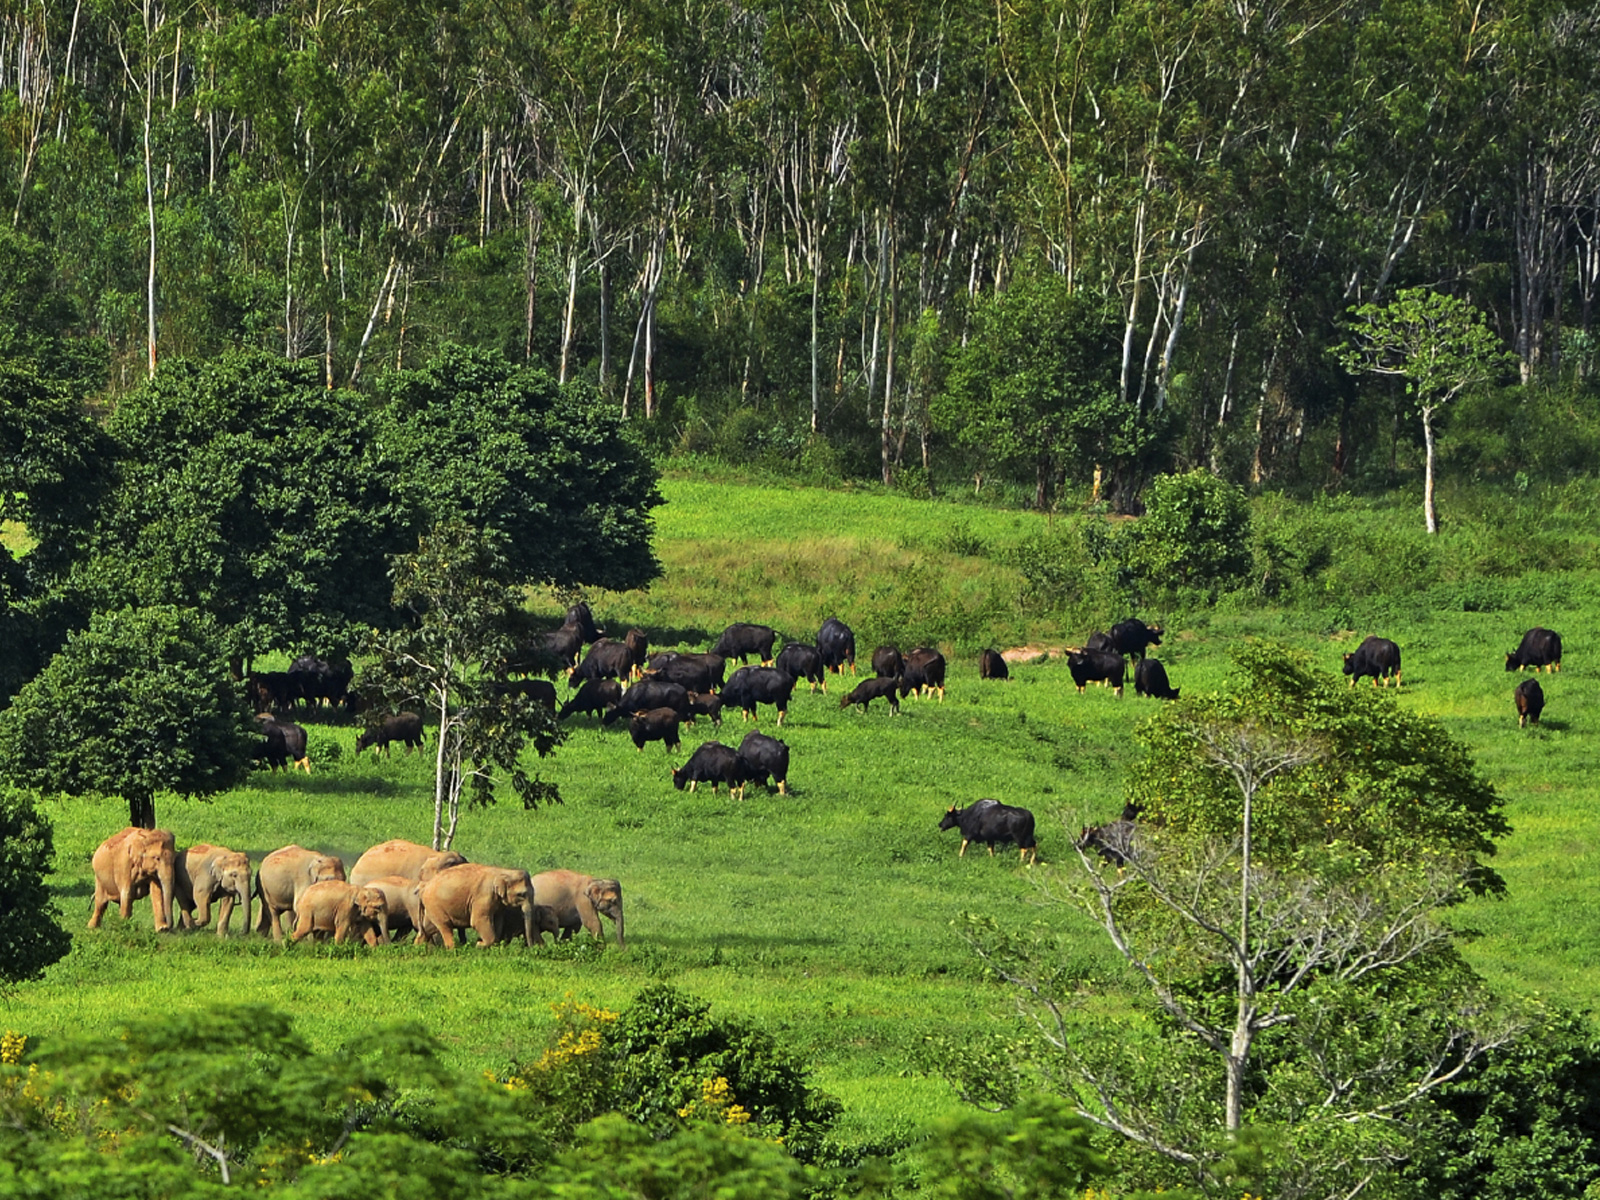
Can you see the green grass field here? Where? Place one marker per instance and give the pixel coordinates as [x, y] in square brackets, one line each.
[826, 914]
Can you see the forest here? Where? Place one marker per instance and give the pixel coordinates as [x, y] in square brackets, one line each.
[807, 232]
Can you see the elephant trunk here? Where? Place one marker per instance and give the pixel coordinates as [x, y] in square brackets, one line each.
[617, 916]
[528, 933]
[238, 898]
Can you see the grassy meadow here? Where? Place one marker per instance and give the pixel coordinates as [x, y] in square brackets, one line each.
[826, 915]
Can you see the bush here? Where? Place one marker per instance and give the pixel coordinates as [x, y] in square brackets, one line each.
[1195, 534]
[31, 936]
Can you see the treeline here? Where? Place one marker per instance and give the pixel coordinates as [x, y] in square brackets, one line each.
[833, 222]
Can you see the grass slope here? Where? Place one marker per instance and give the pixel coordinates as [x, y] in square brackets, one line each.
[827, 914]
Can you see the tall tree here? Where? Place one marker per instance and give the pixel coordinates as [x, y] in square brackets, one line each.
[548, 469]
[1439, 344]
[140, 702]
[1277, 899]
[460, 620]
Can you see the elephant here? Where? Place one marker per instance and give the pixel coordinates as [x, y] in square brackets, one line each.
[207, 873]
[283, 875]
[403, 897]
[411, 860]
[473, 895]
[336, 907]
[133, 864]
[579, 900]
[508, 923]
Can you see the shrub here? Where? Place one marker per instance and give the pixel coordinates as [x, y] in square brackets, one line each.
[31, 936]
[1195, 533]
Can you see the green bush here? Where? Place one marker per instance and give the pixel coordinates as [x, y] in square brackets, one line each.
[1195, 534]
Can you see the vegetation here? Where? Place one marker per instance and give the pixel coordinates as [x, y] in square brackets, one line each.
[138, 703]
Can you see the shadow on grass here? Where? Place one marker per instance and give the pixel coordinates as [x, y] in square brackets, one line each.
[691, 638]
[329, 784]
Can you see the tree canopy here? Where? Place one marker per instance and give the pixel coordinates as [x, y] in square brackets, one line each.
[137, 703]
[244, 488]
[545, 469]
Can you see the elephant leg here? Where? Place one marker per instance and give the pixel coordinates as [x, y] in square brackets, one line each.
[224, 914]
[483, 923]
[125, 901]
[159, 906]
[102, 899]
[590, 918]
[302, 929]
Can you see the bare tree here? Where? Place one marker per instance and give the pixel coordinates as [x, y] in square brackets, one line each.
[1296, 940]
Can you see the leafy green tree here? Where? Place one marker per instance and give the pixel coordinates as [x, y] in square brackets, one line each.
[246, 489]
[460, 618]
[544, 468]
[1440, 345]
[139, 702]
[31, 937]
[1195, 532]
[1277, 902]
[1034, 390]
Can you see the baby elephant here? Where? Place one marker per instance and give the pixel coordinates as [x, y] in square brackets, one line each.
[336, 907]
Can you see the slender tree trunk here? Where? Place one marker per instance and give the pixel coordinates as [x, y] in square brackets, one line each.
[535, 228]
[1429, 513]
[150, 211]
[440, 783]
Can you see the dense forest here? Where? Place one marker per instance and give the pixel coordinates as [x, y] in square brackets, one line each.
[814, 231]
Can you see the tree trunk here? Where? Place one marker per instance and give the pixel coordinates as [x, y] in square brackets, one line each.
[142, 812]
[1429, 513]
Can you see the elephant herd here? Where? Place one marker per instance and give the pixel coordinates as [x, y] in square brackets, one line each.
[395, 888]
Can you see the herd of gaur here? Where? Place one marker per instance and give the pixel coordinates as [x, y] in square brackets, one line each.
[395, 888]
[402, 887]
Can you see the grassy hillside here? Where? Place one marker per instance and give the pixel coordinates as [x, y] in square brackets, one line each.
[827, 914]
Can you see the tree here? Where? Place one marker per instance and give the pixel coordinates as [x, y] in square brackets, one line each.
[1195, 532]
[246, 489]
[139, 702]
[1440, 345]
[460, 620]
[31, 937]
[1034, 390]
[546, 470]
[1277, 900]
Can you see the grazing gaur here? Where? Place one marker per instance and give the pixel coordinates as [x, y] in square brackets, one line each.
[705, 704]
[836, 642]
[1377, 657]
[648, 694]
[547, 653]
[804, 662]
[580, 618]
[989, 821]
[606, 660]
[878, 688]
[696, 672]
[761, 756]
[923, 671]
[273, 749]
[403, 727]
[712, 763]
[886, 662]
[595, 696]
[1100, 641]
[742, 639]
[638, 650]
[1131, 637]
[1530, 702]
[1112, 841]
[316, 680]
[992, 665]
[1540, 649]
[655, 725]
[752, 686]
[293, 739]
[1150, 679]
[540, 691]
[1086, 665]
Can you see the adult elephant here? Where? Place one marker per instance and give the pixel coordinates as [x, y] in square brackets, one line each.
[283, 876]
[472, 896]
[403, 898]
[131, 865]
[412, 860]
[206, 873]
[338, 908]
[578, 900]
